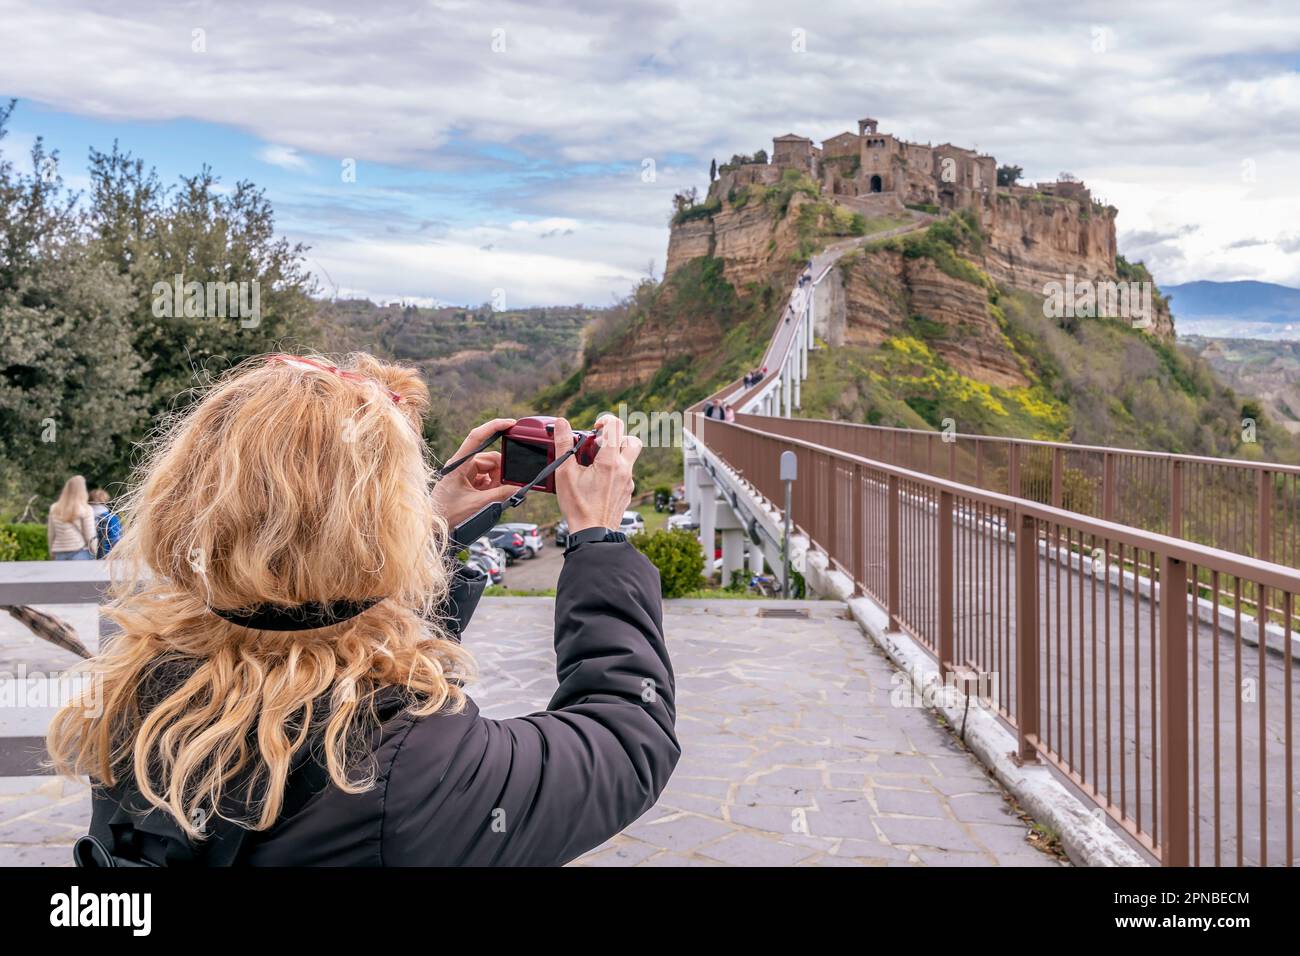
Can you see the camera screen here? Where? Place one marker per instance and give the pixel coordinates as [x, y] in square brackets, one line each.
[523, 461]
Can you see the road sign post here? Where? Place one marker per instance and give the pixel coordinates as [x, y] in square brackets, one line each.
[789, 473]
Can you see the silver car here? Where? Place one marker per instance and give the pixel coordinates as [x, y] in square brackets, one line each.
[685, 521]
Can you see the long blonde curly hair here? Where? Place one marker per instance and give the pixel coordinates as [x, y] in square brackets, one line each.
[288, 482]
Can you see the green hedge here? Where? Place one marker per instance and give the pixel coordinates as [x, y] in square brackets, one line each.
[678, 556]
[31, 541]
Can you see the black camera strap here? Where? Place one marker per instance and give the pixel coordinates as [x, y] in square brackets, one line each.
[478, 524]
[453, 465]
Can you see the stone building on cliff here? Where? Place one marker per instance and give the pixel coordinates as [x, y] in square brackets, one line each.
[879, 166]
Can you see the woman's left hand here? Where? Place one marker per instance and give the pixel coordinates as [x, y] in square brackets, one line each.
[477, 482]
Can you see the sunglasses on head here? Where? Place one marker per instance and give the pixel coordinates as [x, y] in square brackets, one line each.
[307, 364]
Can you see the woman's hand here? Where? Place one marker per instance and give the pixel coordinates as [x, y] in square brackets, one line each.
[596, 496]
[476, 483]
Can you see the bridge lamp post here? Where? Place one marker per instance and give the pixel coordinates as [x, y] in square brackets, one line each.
[789, 473]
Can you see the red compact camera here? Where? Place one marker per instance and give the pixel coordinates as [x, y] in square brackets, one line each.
[528, 447]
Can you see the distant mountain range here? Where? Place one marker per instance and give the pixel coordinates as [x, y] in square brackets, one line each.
[1253, 310]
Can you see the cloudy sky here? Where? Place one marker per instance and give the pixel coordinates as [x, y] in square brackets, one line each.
[535, 147]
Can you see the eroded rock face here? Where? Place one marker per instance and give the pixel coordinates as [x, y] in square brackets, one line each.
[753, 246]
[655, 344]
[1036, 241]
[749, 241]
[883, 289]
[1031, 240]
[688, 241]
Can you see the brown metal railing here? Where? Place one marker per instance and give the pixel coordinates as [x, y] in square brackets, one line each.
[1151, 678]
[1251, 508]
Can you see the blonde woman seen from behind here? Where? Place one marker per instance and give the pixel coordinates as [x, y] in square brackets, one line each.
[70, 531]
[283, 690]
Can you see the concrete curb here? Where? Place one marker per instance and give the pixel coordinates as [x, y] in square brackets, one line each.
[1082, 828]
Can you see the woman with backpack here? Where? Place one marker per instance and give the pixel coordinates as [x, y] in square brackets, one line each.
[284, 689]
[70, 530]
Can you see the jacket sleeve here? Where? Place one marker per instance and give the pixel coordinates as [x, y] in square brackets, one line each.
[541, 790]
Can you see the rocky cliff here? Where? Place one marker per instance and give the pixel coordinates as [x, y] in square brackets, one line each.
[754, 238]
[668, 330]
[1035, 240]
[754, 225]
[883, 291]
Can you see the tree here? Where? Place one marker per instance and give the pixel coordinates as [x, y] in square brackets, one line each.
[151, 235]
[685, 199]
[70, 383]
[86, 360]
[760, 157]
[713, 170]
[1009, 175]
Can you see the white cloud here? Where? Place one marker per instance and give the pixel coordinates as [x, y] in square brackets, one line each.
[459, 271]
[545, 228]
[286, 157]
[1160, 120]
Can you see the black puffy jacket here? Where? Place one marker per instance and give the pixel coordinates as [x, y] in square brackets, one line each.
[462, 789]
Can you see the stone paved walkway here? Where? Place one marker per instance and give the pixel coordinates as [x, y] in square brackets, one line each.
[792, 752]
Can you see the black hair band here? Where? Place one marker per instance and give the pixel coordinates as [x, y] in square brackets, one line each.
[297, 617]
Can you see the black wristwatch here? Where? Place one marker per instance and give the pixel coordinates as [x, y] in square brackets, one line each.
[593, 534]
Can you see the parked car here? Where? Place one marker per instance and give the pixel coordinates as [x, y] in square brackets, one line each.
[686, 521]
[489, 559]
[509, 541]
[487, 565]
[631, 524]
[532, 536]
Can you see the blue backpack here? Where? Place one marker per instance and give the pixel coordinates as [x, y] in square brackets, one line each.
[108, 529]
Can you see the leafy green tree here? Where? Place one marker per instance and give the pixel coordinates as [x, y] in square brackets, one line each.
[1009, 175]
[92, 351]
[69, 380]
[151, 235]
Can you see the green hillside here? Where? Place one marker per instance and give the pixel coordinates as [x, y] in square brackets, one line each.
[478, 363]
[1091, 381]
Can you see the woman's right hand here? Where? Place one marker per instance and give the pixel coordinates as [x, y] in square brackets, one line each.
[596, 496]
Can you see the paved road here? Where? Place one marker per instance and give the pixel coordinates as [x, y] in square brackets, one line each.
[539, 573]
[792, 752]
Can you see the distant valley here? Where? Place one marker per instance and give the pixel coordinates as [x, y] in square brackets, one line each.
[1269, 371]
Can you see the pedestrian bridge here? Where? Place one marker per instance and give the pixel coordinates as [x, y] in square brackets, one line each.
[1127, 617]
